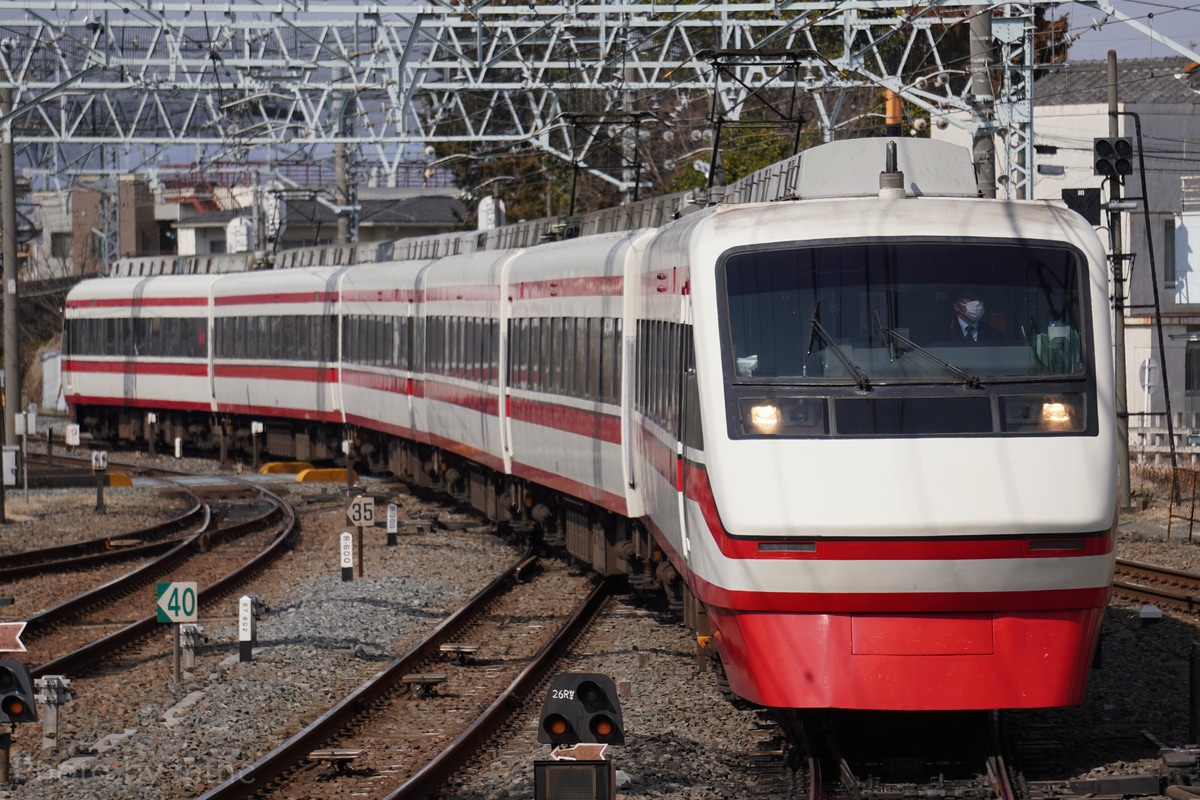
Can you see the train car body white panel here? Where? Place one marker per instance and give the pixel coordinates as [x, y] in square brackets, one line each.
[141, 342]
[864, 561]
[565, 420]
[457, 405]
[285, 367]
[378, 306]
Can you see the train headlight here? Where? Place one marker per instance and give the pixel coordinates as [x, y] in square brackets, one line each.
[1063, 413]
[1056, 415]
[765, 418]
[781, 416]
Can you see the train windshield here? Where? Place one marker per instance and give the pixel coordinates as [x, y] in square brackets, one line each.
[877, 313]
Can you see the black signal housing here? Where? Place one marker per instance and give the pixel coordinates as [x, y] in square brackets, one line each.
[1112, 156]
[581, 708]
[17, 699]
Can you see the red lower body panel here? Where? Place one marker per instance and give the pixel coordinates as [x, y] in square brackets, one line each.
[908, 662]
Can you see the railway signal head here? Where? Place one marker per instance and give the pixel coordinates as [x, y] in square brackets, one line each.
[581, 707]
[1113, 156]
[16, 693]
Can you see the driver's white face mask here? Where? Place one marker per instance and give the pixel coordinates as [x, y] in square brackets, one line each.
[973, 310]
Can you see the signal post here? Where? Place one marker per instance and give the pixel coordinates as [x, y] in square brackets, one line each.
[581, 717]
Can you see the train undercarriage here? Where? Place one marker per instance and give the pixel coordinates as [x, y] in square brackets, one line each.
[606, 543]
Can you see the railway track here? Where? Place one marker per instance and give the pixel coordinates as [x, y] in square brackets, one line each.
[1160, 586]
[396, 738]
[220, 558]
[142, 543]
[884, 756]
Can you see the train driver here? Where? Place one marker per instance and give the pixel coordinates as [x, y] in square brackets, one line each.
[968, 325]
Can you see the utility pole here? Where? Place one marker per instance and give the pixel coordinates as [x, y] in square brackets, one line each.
[8, 229]
[983, 101]
[1118, 268]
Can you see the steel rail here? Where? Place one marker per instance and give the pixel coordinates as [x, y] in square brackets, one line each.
[288, 755]
[442, 767]
[85, 657]
[30, 562]
[1188, 599]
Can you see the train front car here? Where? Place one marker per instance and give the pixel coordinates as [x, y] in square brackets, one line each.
[905, 494]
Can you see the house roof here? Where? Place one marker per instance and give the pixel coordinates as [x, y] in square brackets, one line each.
[423, 210]
[1139, 81]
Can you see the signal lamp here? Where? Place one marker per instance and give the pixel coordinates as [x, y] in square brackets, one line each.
[16, 693]
[581, 708]
[1113, 156]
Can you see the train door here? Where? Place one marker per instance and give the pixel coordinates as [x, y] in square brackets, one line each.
[128, 344]
[691, 444]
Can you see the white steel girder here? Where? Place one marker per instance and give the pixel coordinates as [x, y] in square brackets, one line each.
[292, 78]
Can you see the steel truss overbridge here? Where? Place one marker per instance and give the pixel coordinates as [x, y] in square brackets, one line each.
[117, 86]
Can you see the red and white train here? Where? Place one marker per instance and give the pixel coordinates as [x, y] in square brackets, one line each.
[757, 406]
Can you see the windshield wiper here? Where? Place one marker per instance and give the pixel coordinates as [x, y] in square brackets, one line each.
[860, 377]
[971, 381]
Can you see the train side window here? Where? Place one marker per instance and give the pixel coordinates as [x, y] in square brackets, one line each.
[218, 333]
[594, 358]
[168, 340]
[607, 345]
[400, 325]
[141, 337]
[462, 355]
[444, 333]
[468, 347]
[568, 356]
[432, 344]
[556, 354]
[288, 332]
[577, 356]
[253, 334]
[651, 365]
[523, 337]
[663, 371]
[535, 353]
[618, 371]
[387, 341]
[474, 350]
[237, 347]
[390, 333]
[365, 341]
[110, 336]
[483, 346]
[303, 345]
[494, 376]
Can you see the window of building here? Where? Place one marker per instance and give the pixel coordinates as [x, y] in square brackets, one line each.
[60, 245]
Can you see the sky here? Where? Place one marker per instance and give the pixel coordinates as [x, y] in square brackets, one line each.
[1176, 19]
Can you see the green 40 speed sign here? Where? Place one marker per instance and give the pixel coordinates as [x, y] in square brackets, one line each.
[177, 601]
